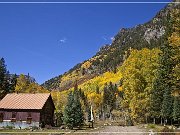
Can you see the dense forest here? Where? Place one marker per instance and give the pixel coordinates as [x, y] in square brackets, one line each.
[135, 79]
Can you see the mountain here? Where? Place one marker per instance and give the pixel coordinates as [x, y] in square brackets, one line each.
[110, 56]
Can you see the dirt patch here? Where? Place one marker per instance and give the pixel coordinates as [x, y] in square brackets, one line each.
[113, 130]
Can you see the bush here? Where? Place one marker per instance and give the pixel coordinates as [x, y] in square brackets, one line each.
[167, 131]
[59, 116]
[33, 128]
[151, 126]
[9, 127]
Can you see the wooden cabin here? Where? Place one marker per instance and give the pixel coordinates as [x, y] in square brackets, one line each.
[27, 110]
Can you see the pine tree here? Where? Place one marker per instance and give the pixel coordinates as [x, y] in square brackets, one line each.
[4, 79]
[79, 116]
[109, 98]
[156, 99]
[167, 105]
[176, 108]
[13, 83]
[97, 90]
[174, 41]
[73, 114]
[69, 112]
[161, 98]
[112, 95]
[167, 66]
[105, 95]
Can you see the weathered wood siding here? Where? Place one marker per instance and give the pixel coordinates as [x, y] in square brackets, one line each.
[47, 113]
[28, 117]
[21, 115]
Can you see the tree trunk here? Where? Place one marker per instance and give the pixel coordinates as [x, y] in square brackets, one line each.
[125, 121]
[146, 119]
[110, 116]
[161, 121]
[92, 124]
[103, 115]
[154, 120]
[165, 121]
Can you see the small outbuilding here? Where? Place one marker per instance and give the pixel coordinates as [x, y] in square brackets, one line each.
[21, 110]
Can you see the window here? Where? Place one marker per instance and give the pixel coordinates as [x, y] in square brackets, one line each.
[29, 118]
[1, 117]
[13, 119]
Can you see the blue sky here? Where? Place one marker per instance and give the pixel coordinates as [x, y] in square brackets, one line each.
[46, 40]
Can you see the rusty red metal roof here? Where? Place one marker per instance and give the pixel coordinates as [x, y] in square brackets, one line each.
[24, 101]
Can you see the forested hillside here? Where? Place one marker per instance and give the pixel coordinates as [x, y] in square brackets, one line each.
[136, 79]
[110, 56]
[144, 85]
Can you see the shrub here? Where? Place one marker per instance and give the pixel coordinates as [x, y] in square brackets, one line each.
[48, 126]
[9, 127]
[59, 116]
[167, 131]
[151, 126]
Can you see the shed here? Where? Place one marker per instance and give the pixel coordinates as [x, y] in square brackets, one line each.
[22, 110]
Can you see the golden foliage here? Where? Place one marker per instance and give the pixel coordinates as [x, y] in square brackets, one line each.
[95, 99]
[21, 84]
[86, 65]
[89, 89]
[138, 73]
[174, 39]
[24, 86]
[90, 86]
[120, 88]
[60, 99]
[70, 76]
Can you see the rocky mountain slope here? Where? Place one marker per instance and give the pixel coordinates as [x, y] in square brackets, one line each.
[110, 56]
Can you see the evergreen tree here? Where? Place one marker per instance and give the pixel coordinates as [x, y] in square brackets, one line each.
[13, 82]
[161, 98]
[167, 105]
[97, 90]
[156, 99]
[176, 108]
[79, 116]
[4, 79]
[112, 95]
[73, 114]
[167, 66]
[109, 98]
[105, 97]
[89, 114]
[58, 117]
[69, 112]
[174, 41]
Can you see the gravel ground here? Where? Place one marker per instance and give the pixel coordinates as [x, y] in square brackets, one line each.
[114, 130]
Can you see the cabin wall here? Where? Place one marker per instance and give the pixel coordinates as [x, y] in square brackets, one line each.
[21, 119]
[47, 113]
[21, 116]
[18, 124]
